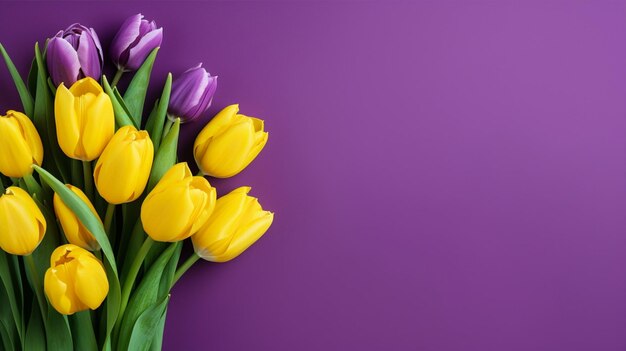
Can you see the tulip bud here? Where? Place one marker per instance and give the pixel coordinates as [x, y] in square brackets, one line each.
[22, 225]
[84, 119]
[178, 205]
[75, 281]
[192, 94]
[134, 41]
[236, 223]
[74, 230]
[73, 54]
[229, 143]
[128, 156]
[20, 145]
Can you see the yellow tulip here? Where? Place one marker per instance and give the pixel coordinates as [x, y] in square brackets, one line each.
[74, 230]
[75, 281]
[229, 143]
[20, 145]
[84, 119]
[123, 169]
[22, 225]
[237, 222]
[178, 205]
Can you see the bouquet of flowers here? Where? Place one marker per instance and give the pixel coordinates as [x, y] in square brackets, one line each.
[94, 207]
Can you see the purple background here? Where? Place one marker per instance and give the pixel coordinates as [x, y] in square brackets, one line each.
[445, 175]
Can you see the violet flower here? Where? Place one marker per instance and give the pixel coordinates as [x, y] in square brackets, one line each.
[192, 94]
[134, 41]
[73, 54]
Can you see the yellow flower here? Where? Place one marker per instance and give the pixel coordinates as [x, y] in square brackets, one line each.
[236, 223]
[22, 225]
[123, 169]
[84, 119]
[229, 143]
[74, 230]
[20, 145]
[75, 281]
[178, 205]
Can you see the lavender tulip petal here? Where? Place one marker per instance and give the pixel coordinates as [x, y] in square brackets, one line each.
[96, 40]
[137, 54]
[125, 36]
[205, 101]
[63, 62]
[89, 56]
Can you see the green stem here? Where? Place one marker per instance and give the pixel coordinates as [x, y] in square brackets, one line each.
[129, 280]
[108, 218]
[185, 267]
[32, 185]
[2, 188]
[88, 179]
[116, 78]
[30, 264]
[200, 174]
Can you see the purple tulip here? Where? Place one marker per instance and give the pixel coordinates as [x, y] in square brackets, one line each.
[192, 94]
[73, 54]
[134, 41]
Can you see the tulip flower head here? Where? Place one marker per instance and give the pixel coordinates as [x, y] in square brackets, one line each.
[76, 280]
[178, 205]
[73, 54]
[192, 94]
[74, 230]
[134, 41]
[128, 156]
[20, 145]
[229, 143]
[22, 225]
[237, 222]
[84, 119]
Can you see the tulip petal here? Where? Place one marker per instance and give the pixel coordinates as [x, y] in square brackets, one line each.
[30, 135]
[91, 284]
[16, 156]
[166, 215]
[99, 125]
[138, 53]
[88, 55]
[21, 222]
[226, 155]
[63, 62]
[127, 34]
[58, 292]
[246, 237]
[67, 124]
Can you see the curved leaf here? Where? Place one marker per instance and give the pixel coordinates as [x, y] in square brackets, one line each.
[135, 94]
[27, 99]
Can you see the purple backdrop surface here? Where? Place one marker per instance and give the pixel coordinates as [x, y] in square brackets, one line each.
[446, 176]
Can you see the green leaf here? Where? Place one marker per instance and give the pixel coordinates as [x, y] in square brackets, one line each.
[146, 326]
[32, 77]
[135, 95]
[157, 340]
[44, 121]
[82, 331]
[35, 334]
[121, 116]
[9, 287]
[59, 336]
[9, 332]
[165, 157]
[27, 99]
[93, 225]
[155, 122]
[145, 295]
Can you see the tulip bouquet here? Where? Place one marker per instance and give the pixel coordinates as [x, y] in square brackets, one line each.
[94, 206]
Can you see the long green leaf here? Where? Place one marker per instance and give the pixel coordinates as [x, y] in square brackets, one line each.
[9, 330]
[35, 334]
[12, 294]
[43, 118]
[145, 295]
[59, 336]
[121, 116]
[165, 157]
[82, 331]
[135, 95]
[6, 335]
[27, 99]
[156, 121]
[146, 326]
